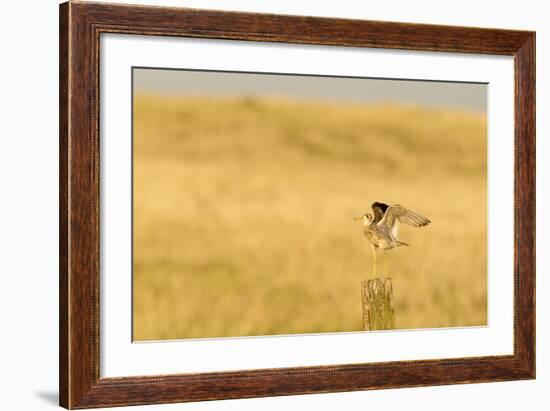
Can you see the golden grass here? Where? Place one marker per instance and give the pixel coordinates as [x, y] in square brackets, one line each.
[243, 215]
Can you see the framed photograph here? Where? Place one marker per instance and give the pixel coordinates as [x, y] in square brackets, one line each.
[258, 205]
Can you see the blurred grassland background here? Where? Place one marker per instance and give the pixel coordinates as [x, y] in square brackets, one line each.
[243, 212]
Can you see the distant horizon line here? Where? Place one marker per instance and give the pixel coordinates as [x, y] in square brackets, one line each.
[305, 99]
[469, 96]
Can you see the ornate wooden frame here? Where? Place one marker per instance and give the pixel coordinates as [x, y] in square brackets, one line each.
[79, 380]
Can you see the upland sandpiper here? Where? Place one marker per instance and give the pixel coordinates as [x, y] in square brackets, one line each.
[381, 228]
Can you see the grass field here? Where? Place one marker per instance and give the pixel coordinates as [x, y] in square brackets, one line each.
[243, 214]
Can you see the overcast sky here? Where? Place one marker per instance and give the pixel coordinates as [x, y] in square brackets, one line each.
[468, 96]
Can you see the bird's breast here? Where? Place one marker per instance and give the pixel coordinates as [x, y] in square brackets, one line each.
[370, 235]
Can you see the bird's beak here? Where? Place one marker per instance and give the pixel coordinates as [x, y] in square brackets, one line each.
[357, 218]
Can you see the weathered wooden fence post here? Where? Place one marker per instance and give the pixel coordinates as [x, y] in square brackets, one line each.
[378, 311]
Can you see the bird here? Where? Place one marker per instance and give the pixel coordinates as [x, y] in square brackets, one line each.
[381, 228]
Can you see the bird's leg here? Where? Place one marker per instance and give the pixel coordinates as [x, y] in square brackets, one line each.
[386, 262]
[373, 261]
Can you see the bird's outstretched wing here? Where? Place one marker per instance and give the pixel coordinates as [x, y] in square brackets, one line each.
[378, 209]
[397, 213]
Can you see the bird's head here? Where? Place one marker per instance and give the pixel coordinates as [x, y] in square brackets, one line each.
[365, 218]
